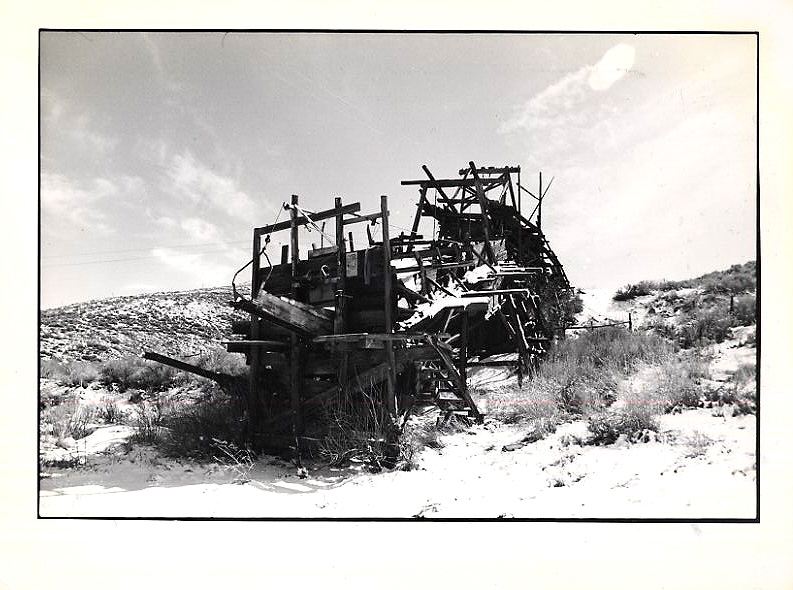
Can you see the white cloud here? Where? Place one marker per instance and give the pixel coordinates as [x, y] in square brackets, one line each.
[614, 64]
[64, 201]
[556, 105]
[166, 222]
[201, 230]
[190, 179]
[196, 265]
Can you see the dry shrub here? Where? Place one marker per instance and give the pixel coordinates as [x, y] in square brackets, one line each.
[72, 374]
[742, 390]
[357, 428]
[219, 360]
[579, 376]
[148, 420]
[704, 326]
[109, 411]
[191, 427]
[537, 398]
[132, 372]
[678, 383]
[632, 291]
[238, 460]
[745, 310]
[68, 419]
[637, 413]
[416, 436]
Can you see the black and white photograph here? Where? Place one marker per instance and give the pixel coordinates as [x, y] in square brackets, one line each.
[398, 275]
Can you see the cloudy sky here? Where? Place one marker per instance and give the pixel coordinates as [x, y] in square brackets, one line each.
[160, 152]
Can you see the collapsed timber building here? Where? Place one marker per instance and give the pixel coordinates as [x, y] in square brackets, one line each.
[396, 325]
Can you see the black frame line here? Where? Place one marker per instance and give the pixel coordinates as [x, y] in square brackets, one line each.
[755, 520]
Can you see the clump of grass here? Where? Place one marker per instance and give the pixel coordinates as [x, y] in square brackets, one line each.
[148, 420]
[110, 412]
[418, 435]
[661, 328]
[537, 398]
[678, 383]
[68, 419]
[238, 460]
[745, 373]
[698, 445]
[636, 415]
[741, 390]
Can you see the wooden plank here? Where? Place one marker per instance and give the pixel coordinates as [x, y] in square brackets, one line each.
[361, 218]
[280, 311]
[443, 266]
[444, 196]
[268, 229]
[314, 253]
[493, 170]
[409, 294]
[260, 344]
[453, 183]
[394, 337]
[494, 292]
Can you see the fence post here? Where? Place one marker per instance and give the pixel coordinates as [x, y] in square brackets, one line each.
[630, 322]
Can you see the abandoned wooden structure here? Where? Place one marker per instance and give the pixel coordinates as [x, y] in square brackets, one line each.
[396, 324]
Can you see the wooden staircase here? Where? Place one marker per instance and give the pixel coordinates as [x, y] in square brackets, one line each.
[441, 382]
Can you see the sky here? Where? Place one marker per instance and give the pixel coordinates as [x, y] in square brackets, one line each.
[161, 151]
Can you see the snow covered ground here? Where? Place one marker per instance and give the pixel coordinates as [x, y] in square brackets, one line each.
[702, 466]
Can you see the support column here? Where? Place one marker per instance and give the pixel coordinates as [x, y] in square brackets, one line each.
[388, 310]
[254, 397]
[294, 357]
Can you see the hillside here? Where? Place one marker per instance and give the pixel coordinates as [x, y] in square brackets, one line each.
[186, 322]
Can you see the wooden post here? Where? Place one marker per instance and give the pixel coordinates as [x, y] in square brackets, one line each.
[539, 205]
[254, 401]
[388, 300]
[339, 324]
[732, 304]
[294, 359]
[519, 195]
[417, 217]
[630, 322]
[463, 361]
[391, 434]
[482, 199]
